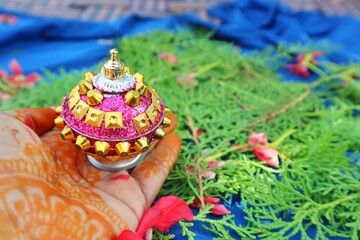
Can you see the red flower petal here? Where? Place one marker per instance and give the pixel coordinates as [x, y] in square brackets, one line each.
[32, 78]
[258, 139]
[219, 209]
[211, 200]
[171, 58]
[300, 57]
[3, 74]
[196, 203]
[298, 69]
[209, 175]
[191, 170]
[212, 164]
[208, 200]
[268, 155]
[166, 211]
[5, 96]
[128, 235]
[15, 67]
[8, 18]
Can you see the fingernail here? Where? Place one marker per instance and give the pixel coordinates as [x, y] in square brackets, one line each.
[120, 177]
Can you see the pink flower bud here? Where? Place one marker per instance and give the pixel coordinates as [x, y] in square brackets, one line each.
[268, 155]
[219, 210]
[258, 139]
[169, 57]
[191, 170]
[212, 164]
[209, 175]
[298, 69]
[15, 67]
[5, 96]
[211, 200]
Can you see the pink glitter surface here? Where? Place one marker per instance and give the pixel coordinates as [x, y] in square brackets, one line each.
[114, 103]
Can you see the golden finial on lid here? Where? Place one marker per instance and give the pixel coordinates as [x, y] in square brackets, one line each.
[113, 68]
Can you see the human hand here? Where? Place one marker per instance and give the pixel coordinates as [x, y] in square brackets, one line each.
[48, 189]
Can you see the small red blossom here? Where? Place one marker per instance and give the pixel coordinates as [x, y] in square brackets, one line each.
[258, 139]
[191, 169]
[218, 209]
[188, 80]
[169, 57]
[5, 96]
[205, 174]
[210, 200]
[165, 212]
[8, 18]
[302, 63]
[311, 57]
[298, 69]
[268, 155]
[258, 143]
[18, 79]
[214, 164]
[209, 175]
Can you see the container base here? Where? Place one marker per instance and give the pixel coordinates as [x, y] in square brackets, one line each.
[118, 165]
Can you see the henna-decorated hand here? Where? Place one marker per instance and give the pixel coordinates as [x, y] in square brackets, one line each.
[48, 189]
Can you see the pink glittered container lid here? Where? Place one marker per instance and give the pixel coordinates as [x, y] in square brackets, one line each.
[114, 103]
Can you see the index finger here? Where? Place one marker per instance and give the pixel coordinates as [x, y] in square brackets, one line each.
[152, 172]
[40, 120]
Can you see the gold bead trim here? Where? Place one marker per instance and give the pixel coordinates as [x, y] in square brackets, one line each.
[159, 134]
[141, 122]
[127, 70]
[80, 109]
[139, 77]
[132, 98]
[113, 120]
[102, 148]
[85, 86]
[59, 122]
[94, 97]
[122, 150]
[82, 143]
[88, 76]
[73, 100]
[67, 134]
[166, 122]
[74, 91]
[152, 114]
[58, 110]
[141, 144]
[142, 88]
[94, 117]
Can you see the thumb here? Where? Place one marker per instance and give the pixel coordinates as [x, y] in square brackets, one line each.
[40, 120]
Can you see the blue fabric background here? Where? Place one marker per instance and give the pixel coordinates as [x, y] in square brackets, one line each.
[39, 43]
[253, 24]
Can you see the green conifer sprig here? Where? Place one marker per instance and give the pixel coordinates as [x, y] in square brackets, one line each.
[312, 125]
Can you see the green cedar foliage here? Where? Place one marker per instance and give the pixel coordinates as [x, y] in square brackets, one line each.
[316, 184]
